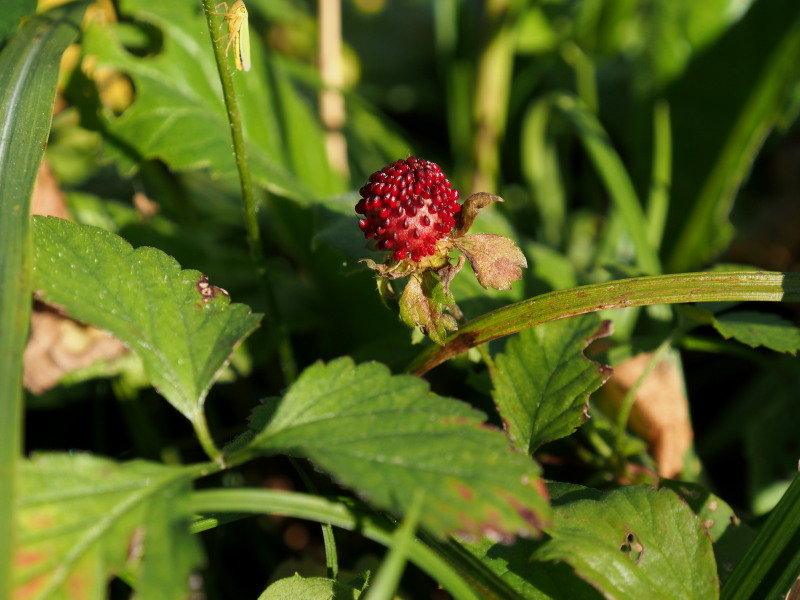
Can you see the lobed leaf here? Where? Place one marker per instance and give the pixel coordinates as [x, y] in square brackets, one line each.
[388, 436]
[543, 380]
[183, 328]
[82, 519]
[495, 259]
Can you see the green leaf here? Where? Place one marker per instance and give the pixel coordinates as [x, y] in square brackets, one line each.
[633, 543]
[388, 436]
[731, 537]
[759, 329]
[83, 519]
[28, 77]
[178, 114]
[183, 328]
[542, 382]
[309, 588]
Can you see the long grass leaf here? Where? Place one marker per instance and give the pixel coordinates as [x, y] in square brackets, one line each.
[28, 72]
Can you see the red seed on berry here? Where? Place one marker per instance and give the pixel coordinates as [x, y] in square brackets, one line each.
[407, 207]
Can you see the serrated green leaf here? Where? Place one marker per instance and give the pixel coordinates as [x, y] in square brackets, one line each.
[83, 519]
[759, 329]
[309, 588]
[178, 114]
[634, 543]
[183, 328]
[387, 436]
[542, 381]
[730, 536]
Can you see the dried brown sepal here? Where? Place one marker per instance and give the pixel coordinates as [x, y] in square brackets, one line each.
[423, 304]
[448, 272]
[470, 209]
[496, 259]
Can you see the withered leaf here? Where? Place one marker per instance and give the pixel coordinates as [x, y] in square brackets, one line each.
[496, 259]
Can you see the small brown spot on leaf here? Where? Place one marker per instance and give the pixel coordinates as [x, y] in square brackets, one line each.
[207, 291]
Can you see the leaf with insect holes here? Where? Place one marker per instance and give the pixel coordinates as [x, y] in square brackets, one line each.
[543, 380]
[423, 304]
[81, 519]
[386, 437]
[496, 259]
[183, 328]
[631, 542]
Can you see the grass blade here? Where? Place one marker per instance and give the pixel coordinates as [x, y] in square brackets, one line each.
[28, 73]
[759, 286]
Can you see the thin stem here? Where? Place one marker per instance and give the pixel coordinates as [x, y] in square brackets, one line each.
[206, 441]
[331, 554]
[276, 324]
[630, 398]
[304, 506]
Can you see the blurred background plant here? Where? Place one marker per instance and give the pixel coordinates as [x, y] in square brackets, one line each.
[627, 137]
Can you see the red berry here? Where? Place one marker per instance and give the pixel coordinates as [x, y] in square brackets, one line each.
[408, 206]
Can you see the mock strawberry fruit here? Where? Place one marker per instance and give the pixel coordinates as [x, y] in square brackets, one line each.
[408, 206]
[410, 209]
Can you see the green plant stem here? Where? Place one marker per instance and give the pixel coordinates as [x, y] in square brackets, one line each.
[758, 286]
[28, 78]
[277, 325]
[385, 584]
[630, 398]
[206, 441]
[322, 510]
[331, 555]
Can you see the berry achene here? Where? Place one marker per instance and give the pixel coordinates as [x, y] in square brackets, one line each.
[408, 206]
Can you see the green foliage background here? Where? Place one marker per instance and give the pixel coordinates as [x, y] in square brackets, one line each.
[627, 137]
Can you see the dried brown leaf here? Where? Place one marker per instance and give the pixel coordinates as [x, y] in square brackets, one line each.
[496, 259]
[470, 209]
[660, 413]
